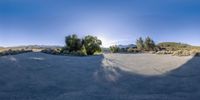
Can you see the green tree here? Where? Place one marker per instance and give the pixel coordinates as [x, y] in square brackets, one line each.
[92, 44]
[149, 44]
[83, 51]
[73, 43]
[140, 44]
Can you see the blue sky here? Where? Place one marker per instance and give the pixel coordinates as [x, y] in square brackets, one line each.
[47, 22]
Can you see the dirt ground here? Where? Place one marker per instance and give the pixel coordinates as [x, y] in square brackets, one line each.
[39, 76]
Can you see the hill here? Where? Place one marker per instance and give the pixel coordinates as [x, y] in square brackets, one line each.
[173, 44]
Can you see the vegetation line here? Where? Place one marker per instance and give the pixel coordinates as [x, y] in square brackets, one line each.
[91, 45]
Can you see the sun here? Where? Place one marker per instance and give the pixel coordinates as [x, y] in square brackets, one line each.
[105, 41]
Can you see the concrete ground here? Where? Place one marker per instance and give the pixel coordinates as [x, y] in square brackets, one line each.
[38, 76]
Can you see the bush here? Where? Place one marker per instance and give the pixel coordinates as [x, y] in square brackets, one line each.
[13, 52]
[131, 50]
[181, 53]
[114, 49]
[164, 52]
[197, 54]
[65, 52]
[152, 52]
[83, 50]
[194, 52]
[51, 51]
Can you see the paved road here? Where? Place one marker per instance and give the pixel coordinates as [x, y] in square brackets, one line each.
[38, 76]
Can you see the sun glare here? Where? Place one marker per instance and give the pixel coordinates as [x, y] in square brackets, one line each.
[105, 42]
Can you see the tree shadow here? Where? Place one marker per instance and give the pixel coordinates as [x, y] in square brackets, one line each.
[92, 78]
[178, 84]
[189, 69]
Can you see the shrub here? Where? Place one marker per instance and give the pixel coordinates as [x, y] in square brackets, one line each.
[13, 52]
[152, 52]
[83, 51]
[64, 50]
[181, 53]
[197, 54]
[76, 53]
[114, 49]
[131, 50]
[194, 52]
[51, 51]
[163, 52]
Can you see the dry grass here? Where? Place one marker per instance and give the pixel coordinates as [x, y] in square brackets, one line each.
[5, 52]
[181, 52]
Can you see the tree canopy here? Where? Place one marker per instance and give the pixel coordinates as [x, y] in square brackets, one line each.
[149, 44]
[140, 44]
[87, 46]
[92, 44]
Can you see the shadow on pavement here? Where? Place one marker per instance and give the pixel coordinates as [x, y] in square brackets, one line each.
[86, 78]
[179, 84]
